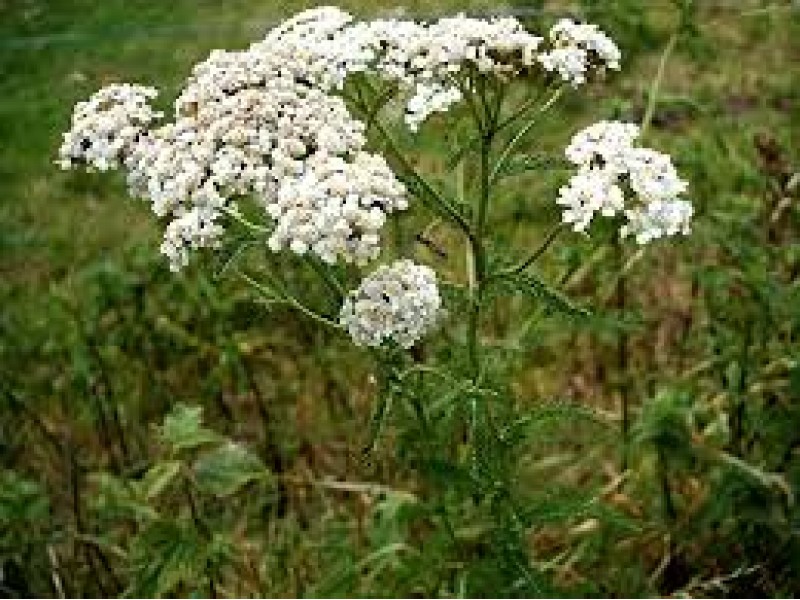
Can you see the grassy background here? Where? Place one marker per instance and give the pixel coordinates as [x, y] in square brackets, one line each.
[98, 340]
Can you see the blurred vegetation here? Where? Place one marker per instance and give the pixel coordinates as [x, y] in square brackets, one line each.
[166, 435]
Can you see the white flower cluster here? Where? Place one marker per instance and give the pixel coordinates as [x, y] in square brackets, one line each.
[432, 60]
[106, 126]
[576, 48]
[266, 123]
[436, 61]
[608, 163]
[658, 218]
[259, 123]
[398, 302]
[336, 208]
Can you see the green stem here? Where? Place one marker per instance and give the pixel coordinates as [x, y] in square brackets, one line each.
[655, 87]
[238, 217]
[429, 192]
[523, 108]
[546, 243]
[281, 296]
[477, 249]
[514, 141]
[434, 196]
[327, 277]
[203, 530]
[620, 301]
[668, 503]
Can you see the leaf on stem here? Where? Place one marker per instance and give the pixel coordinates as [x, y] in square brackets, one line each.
[532, 286]
[522, 163]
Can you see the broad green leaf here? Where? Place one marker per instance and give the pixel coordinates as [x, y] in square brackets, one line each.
[225, 470]
[158, 478]
[183, 428]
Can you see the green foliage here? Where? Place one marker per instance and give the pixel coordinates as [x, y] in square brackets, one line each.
[178, 546]
[169, 556]
[183, 429]
[520, 164]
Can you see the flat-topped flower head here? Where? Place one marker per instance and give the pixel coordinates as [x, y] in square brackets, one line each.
[399, 302]
[262, 123]
[614, 177]
[433, 61]
[268, 123]
[576, 49]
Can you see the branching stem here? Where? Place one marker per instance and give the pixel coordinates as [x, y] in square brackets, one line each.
[523, 131]
[278, 295]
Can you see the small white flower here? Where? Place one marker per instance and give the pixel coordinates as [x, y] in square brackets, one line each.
[335, 208]
[652, 174]
[604, 144]
[398, 302]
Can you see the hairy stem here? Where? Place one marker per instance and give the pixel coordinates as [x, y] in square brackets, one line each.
[477, 235]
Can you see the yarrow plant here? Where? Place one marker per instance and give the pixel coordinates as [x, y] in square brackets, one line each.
[291, 141]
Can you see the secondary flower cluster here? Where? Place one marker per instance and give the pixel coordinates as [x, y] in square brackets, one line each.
[398, 302]
[336, 208]
[435, 63]
[576, 48]
[610, 168]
